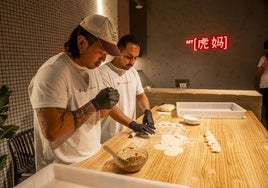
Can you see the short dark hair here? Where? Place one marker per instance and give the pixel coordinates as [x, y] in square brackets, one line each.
[122, 43]
[71, 45]
[265, 44]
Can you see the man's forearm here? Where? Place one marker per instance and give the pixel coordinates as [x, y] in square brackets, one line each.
[143, 102]
[58, 122]
[82, 114]
[119, 116]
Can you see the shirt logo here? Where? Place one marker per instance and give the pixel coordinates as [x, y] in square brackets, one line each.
[82, 90]
[124, 83]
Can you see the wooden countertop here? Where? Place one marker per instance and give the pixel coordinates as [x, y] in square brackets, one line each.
[243, 161]
[204, 91]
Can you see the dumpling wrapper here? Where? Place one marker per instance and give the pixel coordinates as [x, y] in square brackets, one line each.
[173, 151]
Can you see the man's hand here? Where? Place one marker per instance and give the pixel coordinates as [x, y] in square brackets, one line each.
[106, 99]
[141, 128]
[148, 119]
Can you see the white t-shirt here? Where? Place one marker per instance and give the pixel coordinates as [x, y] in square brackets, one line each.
[129, 85]
[61, 83]
[264, 77]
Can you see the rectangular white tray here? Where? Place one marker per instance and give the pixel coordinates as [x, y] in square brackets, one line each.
[210, 109]
[58, 175]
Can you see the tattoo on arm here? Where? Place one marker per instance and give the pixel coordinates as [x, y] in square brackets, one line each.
[41, 118]
[80, 115]
[62, 112]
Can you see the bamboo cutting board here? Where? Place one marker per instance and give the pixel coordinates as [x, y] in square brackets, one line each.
[243, 161]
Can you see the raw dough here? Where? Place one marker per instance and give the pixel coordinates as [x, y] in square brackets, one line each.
[212, 142]
[138, 134]
[173, 151]
[166, 108]
[160, 146]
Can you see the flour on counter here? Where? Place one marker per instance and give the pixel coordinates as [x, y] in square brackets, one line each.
[172, 140]
[172, 145]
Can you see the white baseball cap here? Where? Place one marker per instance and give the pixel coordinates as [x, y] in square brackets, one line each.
[102, 28]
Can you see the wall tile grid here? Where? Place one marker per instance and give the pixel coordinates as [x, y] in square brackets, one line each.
[31, 32]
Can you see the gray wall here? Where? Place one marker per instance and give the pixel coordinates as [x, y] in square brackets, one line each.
[171, 22]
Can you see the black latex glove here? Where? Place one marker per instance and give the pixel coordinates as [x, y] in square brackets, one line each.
[141, 128]
[106, 99]
[148, 119]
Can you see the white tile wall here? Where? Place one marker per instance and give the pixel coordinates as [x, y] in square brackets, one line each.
[32, 31]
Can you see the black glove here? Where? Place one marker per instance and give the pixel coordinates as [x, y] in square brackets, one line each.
[148, 119]
[141, 128]
[106, 99]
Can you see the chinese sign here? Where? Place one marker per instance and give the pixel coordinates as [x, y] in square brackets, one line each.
[205, 43]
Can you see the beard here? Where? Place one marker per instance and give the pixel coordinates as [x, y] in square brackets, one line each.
[97, 64]
[128, 66]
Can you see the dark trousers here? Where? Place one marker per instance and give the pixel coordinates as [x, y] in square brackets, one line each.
[264, 92]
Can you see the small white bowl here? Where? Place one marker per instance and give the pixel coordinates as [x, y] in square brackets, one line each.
[192, 119]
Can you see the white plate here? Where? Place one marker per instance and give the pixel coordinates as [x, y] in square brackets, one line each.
[192, 119]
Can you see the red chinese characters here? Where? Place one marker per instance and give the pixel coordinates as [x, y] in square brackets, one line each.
[205, 43]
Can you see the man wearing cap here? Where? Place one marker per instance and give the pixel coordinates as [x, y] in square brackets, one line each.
[68, 96]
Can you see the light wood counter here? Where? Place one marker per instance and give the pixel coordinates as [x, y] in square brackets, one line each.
[248, 99]
[243, 161]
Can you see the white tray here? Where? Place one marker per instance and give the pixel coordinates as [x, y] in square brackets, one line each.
[211, 109]
[67, 176]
